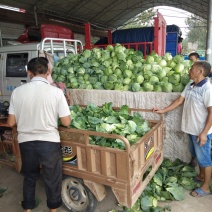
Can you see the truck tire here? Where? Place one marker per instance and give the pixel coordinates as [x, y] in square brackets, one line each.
[76, 196]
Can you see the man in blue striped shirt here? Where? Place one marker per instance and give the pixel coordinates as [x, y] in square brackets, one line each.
[197, 121]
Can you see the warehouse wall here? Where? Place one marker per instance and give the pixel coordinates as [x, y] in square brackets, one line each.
[11, 31]
[81, 37]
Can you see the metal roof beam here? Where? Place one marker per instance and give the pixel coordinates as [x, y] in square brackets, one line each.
[70, 18]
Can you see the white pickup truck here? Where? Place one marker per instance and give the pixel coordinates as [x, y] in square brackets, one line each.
[13, 60]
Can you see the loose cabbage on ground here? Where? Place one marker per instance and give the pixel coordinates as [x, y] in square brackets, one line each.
[119, 68]
[168, 184]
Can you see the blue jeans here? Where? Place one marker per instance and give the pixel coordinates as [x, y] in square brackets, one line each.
[202, 153]
[48, 155]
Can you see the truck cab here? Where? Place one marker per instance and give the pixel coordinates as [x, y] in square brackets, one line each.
[14, 58]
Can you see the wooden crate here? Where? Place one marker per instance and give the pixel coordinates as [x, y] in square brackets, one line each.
[122, 170]
[9, 148]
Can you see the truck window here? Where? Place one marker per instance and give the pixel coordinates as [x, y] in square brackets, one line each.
[15, 65]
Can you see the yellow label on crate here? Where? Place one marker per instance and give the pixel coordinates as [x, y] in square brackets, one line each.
[150, 153]
[69, 153]
[67, 159]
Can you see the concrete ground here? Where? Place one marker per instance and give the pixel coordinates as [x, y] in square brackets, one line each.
[10, 201]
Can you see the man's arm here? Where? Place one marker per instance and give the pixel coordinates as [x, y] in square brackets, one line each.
[172, 106]
[11, 121]
[202, 138]
[66, 120]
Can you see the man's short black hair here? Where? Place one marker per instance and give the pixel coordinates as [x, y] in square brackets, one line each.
[44, 58]
[195, 54]
[38, 65]
[180, 39]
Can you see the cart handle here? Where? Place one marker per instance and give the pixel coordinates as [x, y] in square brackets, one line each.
[136, 109]
[88, 133]
[147, 111]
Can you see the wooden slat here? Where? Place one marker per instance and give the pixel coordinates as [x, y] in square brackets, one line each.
[121, 164]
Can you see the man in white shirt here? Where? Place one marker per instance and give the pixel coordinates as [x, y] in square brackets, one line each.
[197, 121]
[35, 108]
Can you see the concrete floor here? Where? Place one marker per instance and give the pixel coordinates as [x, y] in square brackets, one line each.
[10, 202]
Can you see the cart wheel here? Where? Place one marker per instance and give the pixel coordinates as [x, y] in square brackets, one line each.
[76, 196]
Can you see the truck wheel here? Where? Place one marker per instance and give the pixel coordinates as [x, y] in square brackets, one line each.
[76, 196]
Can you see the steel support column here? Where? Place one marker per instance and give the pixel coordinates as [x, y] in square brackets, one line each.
[1, 43]
[109, 37]
[36, 18]
[209, 33]
[87, 36]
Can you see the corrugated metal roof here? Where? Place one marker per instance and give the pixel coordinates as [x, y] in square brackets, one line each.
[108, 14]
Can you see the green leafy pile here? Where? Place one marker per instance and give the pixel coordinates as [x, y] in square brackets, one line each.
[118, 68]
[107, 120]
[168, 183]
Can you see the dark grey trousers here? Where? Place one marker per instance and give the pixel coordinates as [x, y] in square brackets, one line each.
[48, 155]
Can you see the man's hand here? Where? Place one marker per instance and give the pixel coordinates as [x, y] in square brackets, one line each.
[158, 110]
[177, 102]
[202, 138]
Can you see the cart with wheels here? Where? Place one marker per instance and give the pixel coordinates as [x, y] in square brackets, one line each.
[89, 168]
[127, 171]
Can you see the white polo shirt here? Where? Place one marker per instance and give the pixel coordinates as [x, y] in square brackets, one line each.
[37, 106]
[197, 99]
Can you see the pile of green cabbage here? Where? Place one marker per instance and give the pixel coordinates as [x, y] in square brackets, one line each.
[118, 68]
[105, 119]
